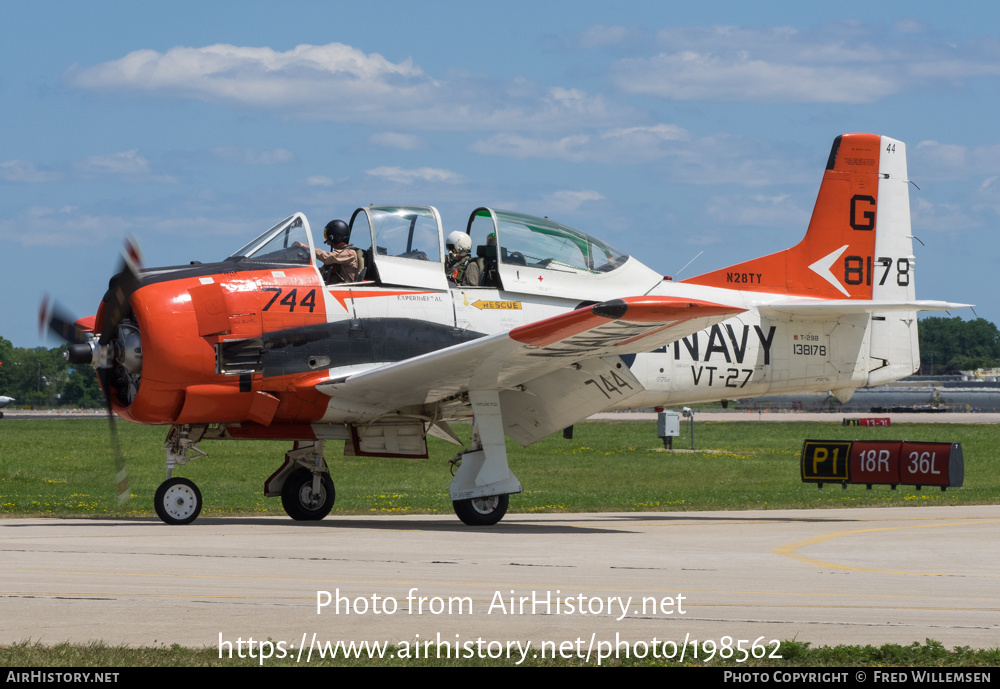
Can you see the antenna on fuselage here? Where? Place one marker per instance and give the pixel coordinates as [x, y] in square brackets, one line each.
[689, 262]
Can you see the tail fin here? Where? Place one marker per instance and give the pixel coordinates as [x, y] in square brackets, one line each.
[858, 244]
[856, 257]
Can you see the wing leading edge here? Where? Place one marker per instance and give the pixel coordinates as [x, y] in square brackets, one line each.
[549, 374]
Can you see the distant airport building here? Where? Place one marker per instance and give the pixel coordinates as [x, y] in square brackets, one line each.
[972, 391]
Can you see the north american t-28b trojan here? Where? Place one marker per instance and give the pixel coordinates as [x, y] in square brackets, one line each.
[562, 325]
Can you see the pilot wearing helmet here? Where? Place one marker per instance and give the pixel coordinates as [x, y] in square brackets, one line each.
[343, 263]
[458, 265]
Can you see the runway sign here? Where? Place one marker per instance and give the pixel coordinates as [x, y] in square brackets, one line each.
[883, 462]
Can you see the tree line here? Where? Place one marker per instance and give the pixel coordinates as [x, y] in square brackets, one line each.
[950, 345]
[41, 377]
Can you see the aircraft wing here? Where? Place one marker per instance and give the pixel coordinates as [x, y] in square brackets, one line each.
[549, 374]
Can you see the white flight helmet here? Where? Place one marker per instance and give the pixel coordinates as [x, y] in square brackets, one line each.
[460, 241]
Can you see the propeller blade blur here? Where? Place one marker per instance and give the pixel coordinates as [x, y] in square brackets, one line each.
[120, 289]
[60, 322]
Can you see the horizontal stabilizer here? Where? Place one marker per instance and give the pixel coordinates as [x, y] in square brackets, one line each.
[827, 308]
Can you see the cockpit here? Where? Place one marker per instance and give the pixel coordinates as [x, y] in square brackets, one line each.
[405, 246]
[525, 240]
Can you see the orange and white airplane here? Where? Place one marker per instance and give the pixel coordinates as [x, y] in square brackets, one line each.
[562, 326]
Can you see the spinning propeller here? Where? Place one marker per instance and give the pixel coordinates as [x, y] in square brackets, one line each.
[116, 354]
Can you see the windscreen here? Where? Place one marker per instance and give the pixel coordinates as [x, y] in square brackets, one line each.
[286, 242]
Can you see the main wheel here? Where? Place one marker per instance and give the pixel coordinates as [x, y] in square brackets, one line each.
[177, 501]
[300, 502]
[482, 511]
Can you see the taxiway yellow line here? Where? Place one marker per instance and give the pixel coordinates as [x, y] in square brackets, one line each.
[790, 550]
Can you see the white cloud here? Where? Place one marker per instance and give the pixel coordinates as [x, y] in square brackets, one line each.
[623, 145]
[319, 181]
[845, 62]
[758, 210]
[661, 132]
[23, 171]
[404, 142]
[71, 225]
[249, 74]
[948, 218]
[934, 160]
[66, 226]
[248, 156]
[423, 174]
[704, 76]
[201, 226]
[910, 26]
[570, 201]
[337, 82]
[125, 163]
[709, 160]
[600, 36]
[570, 148]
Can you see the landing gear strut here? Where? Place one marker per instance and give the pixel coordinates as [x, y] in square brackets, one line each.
[303, 482]
[480, 491]
[178, 500]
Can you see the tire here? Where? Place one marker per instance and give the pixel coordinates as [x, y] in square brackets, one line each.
[296, 494]
[482, 511]
[177, 501]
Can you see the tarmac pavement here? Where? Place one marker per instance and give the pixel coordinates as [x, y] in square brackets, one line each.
[838, 576]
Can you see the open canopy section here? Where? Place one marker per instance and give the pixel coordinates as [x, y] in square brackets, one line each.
[524, 253]
[402, 245]
[543, 243]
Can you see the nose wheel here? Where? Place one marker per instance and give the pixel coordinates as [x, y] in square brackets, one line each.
[482, 511]
[177, 501]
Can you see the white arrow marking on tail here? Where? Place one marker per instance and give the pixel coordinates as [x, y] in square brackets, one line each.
[823, 265]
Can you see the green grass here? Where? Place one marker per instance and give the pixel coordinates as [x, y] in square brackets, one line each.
[794, 654]
[64, 468]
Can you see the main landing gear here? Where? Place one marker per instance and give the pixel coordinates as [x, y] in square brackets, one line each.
[482, 511]
[480, 491]
[303, 482]
[304, 502]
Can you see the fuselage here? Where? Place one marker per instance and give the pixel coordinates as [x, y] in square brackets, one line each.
[285, 331]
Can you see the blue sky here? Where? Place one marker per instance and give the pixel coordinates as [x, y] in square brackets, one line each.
[666, 129]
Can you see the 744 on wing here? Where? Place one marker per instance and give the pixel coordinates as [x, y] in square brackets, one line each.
[546, 326]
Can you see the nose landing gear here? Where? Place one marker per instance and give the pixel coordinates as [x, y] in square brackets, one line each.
[177, 501]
